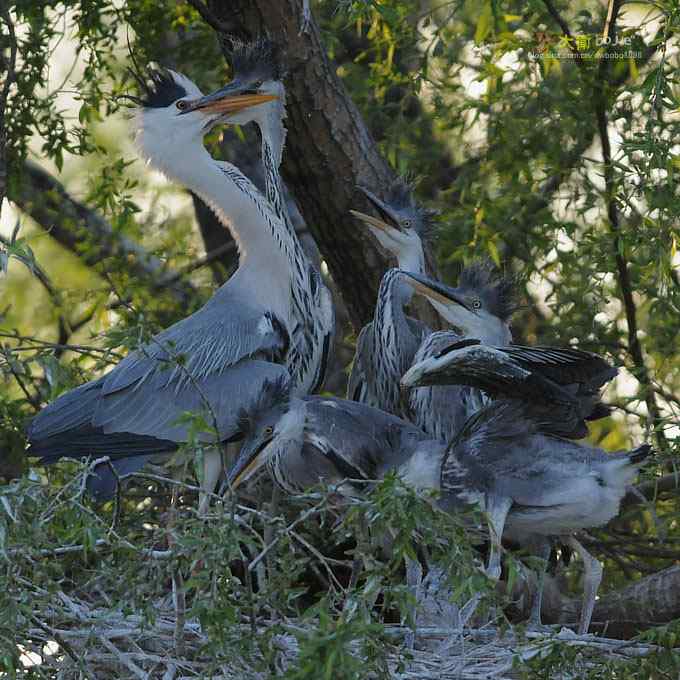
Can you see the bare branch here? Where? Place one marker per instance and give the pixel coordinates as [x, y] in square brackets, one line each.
[73, 224]
[622, 271]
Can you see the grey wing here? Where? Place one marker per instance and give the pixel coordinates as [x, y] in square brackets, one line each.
[486, 436]
[201, 360]
[360, 440]
[159, 409]
[220, 334]
[565, 366]
[357, 385]
[502, 450]
[208, 363]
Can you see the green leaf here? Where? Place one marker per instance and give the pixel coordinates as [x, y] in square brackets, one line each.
[484, 23]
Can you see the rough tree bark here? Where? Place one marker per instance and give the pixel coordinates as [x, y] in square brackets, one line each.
[329, 150]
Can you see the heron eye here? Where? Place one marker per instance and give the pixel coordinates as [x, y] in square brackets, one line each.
[269, 430]
[182, 104]
[476, 304]
[406, 223]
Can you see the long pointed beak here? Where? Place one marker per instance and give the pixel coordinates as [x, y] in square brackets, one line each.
[229, 99]
[412, 377]
[246, 465]
[435, 290]
[389, 219]
[370, 220]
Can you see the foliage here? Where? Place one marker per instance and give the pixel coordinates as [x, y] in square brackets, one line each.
[561, 169]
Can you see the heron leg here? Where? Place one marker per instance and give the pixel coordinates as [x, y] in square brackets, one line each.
[414, 578]
[592, 576]
[542, 553]
[212, 469]
[497, 508]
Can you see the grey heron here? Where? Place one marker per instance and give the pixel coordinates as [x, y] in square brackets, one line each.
[534, 484]
[219, 357]
[305, 440]
[564, 380]
[480, 306]
[386, 345]
[258, 70]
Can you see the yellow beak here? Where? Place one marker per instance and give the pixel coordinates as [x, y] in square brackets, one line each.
[371, 221]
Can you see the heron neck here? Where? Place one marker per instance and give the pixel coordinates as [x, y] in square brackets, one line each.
[392, 335]
[412, 260]
[259, 235]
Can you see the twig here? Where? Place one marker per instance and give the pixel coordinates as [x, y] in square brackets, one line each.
[305, 515]
[81, 349]
[622, 272]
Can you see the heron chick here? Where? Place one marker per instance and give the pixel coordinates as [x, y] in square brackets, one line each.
[564, 380]
[534, 484]
[388, 343]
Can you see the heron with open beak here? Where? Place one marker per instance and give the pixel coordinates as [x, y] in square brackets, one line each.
[215, 360]
[386, 346]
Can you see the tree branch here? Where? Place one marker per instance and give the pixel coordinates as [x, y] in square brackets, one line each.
[73, 224]
[622, 271]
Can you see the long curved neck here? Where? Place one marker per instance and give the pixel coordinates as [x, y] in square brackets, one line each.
[273, 134]
[259, 235]
[393, 338]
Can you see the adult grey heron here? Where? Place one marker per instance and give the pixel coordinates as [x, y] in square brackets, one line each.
[214, 360]
[387, 344]
[532, 484]
[564, 380]
[258, 70]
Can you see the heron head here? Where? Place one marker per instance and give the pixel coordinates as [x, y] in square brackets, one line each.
[447, 359]
[262, 424]
[481, 306]
[168, 124]
[256, 92]
[402, 224]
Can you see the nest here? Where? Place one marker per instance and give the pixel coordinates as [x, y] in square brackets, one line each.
[82, 640]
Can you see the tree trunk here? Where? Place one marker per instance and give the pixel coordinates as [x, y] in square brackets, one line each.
[651, 601]
[329, 150]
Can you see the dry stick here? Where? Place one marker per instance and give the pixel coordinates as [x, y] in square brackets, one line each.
[60, 641]
[124, 658]
[623, 274]
[308, 513]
